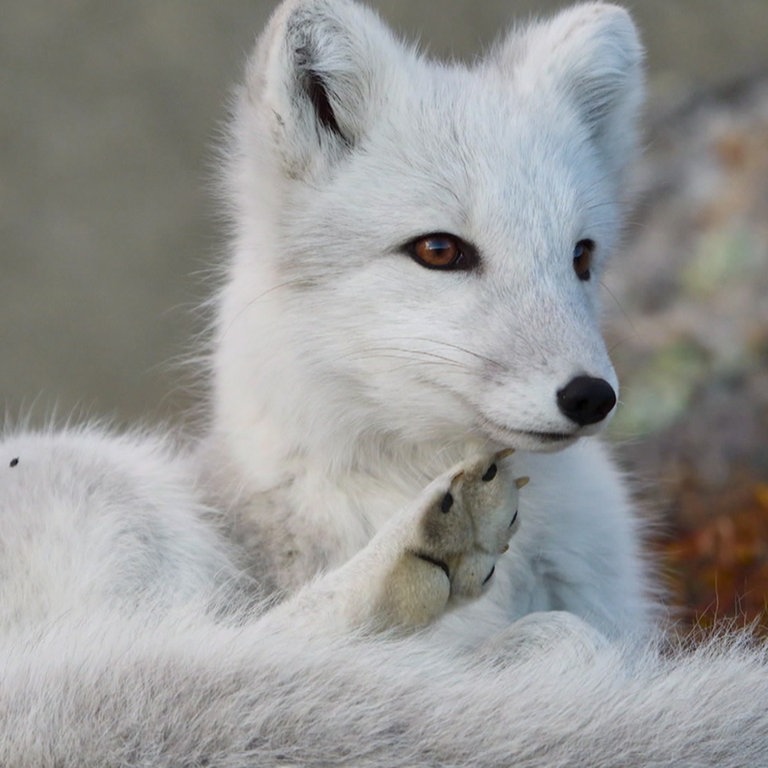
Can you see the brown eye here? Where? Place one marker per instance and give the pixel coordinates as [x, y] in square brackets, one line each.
[442, 251]
[582, 258]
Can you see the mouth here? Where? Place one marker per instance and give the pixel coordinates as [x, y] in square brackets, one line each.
[550, 437]
[530, 440]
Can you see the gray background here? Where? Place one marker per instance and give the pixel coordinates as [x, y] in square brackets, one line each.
[109, 114]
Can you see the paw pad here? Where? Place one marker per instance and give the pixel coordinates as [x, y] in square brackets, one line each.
[481, 496]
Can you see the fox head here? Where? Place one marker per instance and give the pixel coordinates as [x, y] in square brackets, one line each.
[419, 246]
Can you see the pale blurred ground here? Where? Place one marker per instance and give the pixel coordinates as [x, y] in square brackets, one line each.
[109, 112]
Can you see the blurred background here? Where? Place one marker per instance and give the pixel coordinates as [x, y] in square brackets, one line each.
[110, 112]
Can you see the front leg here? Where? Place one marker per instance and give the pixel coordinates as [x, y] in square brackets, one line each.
[438, 551]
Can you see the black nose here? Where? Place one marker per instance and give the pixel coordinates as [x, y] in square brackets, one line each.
[586, 400]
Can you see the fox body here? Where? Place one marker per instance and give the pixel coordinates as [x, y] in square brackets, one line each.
[397, 542]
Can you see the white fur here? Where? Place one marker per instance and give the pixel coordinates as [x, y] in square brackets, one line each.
[352, 389]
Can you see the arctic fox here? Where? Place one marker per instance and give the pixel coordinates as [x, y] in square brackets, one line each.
[397, 543]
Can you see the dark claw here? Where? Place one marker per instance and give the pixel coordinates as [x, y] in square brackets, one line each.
[490, 473]
[513, 519]
[447, 502]
[490, 575]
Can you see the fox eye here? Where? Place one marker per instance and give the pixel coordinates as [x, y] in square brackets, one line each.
[442, 251]
[582, 258]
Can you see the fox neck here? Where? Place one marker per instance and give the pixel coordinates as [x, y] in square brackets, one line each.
[276, 420]
[275, 426]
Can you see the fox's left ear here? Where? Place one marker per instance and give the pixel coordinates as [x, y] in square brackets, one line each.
[591, 57]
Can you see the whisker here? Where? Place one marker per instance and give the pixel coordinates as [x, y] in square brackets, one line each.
[624, 313]
[618, 343]
[414, 352]
[452, 346]
[603, 223]
[408, 355]
[601, 204]
[409, 362]
[259, 297]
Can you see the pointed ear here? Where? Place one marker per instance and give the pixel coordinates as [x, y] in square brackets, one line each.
[316, 77]
[591, 57]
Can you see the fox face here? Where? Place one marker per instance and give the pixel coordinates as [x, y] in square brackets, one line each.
[437, 234]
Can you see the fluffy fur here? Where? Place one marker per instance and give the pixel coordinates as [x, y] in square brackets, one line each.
[350, 567]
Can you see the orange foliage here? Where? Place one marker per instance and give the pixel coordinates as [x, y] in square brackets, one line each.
[718, 569]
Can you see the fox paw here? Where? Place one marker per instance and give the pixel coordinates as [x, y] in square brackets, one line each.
[467, 525]
[461, 525]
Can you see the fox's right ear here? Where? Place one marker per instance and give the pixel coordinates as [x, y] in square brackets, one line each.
[316, 77]
[589, 56]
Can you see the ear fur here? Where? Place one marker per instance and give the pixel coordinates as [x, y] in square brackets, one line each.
[320, 69]
[590, 56]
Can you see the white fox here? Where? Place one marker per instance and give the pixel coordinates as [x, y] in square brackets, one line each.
[350, 566]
